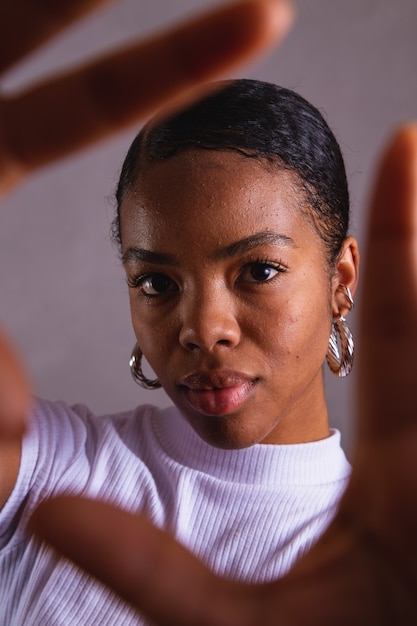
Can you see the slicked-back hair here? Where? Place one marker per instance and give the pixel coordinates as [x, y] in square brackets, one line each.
[260, 121]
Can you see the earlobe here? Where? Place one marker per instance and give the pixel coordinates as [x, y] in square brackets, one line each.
[346, 276]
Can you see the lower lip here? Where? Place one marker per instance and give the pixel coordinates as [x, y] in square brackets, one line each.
[220, 401]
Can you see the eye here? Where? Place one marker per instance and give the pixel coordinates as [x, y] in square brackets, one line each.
[260, 272]
[153, 284]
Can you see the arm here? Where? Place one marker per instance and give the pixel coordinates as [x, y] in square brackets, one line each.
[10, 462]
[14, 406]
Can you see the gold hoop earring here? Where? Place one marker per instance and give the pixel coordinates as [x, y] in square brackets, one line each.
[341, 364]
[136, 371]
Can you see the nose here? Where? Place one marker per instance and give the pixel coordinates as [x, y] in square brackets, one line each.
[208, 322]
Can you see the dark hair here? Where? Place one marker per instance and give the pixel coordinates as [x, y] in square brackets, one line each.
[263, 121]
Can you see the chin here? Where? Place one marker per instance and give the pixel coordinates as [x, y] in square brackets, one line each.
[223, 432]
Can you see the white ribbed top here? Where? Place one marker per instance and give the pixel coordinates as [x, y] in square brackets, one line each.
[247, 513]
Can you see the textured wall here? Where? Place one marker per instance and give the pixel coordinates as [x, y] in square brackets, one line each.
[63, 297]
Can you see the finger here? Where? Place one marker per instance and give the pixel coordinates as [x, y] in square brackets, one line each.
[27, 24]
[14, 392]
[388, 373]
[89, 103]
[332, 585]
[143, 564]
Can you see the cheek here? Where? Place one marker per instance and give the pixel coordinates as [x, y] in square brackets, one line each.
[312, 327]
[298, 331]
[155, 336]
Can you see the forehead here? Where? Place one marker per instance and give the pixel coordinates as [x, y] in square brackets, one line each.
[205, 194]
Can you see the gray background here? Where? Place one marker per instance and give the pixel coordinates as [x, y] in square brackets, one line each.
[63, 297]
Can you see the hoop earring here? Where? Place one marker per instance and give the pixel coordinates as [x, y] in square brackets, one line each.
[346, 292]
[136, 371]
[341, 365]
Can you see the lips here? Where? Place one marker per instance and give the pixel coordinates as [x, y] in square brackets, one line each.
[219, 392]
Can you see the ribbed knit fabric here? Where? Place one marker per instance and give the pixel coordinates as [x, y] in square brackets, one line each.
[248, 513]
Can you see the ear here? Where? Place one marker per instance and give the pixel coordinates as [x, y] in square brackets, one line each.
[347, 274]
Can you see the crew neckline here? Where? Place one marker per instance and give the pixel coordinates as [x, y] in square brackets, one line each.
[309, 463]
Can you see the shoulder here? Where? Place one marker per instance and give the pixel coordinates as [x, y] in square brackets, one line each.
[58, 418]
[61, 435]
[69, 449]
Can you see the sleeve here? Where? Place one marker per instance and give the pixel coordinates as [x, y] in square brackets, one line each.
[53, 461]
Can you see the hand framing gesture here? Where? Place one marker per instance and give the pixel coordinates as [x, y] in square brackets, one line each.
[363, 570]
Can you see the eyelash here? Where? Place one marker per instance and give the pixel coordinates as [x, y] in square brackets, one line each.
[136, 282]
[279, 267]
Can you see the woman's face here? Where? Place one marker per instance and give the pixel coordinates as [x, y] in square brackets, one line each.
[230, 296]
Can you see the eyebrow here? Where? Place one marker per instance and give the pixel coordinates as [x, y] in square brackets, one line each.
[134, 254]
[264, 238]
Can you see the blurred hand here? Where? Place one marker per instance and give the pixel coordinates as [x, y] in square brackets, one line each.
[364, 569]
[72, 110]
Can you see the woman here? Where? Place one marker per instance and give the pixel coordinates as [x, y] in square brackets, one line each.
[232, 221]
[280, 333]
[363, 570]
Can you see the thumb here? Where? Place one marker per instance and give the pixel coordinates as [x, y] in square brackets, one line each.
[143, 564]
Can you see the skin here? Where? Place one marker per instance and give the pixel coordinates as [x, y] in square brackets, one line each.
[364, 570]
[240, 356]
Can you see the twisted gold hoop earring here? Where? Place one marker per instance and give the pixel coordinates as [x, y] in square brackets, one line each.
[136, 371]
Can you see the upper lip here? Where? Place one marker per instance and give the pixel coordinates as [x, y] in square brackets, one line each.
[216, 379]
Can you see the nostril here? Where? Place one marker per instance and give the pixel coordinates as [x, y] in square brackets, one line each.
[205, 332]
[195, 346]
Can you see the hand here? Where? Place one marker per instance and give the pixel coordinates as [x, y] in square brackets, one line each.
[364, 569]
[103, 96]
[107, 94]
